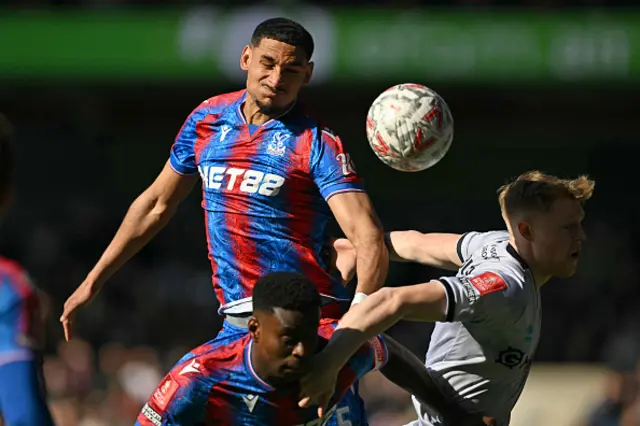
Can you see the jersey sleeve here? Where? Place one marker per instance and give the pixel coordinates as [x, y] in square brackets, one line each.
[331, 166]
[472, 241]
[178, 399]
[183, 156]
[370, 357]
[481, 295]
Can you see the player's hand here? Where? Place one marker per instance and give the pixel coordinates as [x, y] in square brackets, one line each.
[83, 295]
[345, 259]
[319, 385]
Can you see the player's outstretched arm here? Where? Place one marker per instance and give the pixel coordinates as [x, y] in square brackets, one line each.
[357, 219]
[425, 302]
[433, 249]
[148, 214]
[405, 370]
[422, 302]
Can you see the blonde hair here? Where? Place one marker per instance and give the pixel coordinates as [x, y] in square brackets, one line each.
[536, 191]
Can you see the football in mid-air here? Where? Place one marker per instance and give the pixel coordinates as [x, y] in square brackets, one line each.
[409, 127]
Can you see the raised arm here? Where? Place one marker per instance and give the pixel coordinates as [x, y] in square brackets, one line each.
[465, 297]
[334, 173]
[357, 219]
[433, 249]
[422, 302]
[375, 314]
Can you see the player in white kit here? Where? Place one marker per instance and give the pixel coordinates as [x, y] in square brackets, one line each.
[487, 315]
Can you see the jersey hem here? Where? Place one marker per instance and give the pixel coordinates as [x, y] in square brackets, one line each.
[459, 246]
[342, 191]
[451, 302]
[184, 171]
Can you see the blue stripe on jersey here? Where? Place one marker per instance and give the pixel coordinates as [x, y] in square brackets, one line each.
[10, 310]
[262, 193]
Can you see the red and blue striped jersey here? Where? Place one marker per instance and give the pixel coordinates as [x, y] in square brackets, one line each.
[264, 192]
[19, 314]
[217, 386]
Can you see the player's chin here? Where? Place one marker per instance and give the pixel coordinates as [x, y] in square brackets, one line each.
[294, 372]
[568, 270]
[276, 101]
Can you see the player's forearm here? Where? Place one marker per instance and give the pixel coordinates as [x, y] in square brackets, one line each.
[145, 218]
[433, 249]
[397, 252]
[405, 370]
[372, 262]
[362, 322]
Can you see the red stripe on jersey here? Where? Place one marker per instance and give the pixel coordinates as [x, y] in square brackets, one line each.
[219, 410]
[300, 194]
[204, 133]
[29, 300]
[237, 219]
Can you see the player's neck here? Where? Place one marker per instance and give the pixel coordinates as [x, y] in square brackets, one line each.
[261, 368]
[255, 116]
[539, 277]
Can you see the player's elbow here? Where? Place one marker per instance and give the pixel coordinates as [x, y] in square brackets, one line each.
[150, 207]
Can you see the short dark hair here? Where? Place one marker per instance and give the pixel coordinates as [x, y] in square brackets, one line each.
[286, 31]
[286, 290]
[6, 155]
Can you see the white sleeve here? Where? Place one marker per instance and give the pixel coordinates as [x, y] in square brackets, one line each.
[471, 241]
[479, 295]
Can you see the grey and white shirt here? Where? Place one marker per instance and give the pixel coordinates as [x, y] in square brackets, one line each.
[482, 354]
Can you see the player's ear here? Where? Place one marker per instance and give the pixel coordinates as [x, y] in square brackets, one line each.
[245, 58]
[254, 328]
[307, 77]
[524, 228]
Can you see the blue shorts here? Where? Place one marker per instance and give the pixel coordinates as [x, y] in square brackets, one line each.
[22, 395]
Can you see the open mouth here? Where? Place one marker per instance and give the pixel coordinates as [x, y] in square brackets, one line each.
[575, 254]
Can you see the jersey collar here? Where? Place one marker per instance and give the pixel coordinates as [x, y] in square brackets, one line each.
[513, 252]
[254, 374]
[243, 119]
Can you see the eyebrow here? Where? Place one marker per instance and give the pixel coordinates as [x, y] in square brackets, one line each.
[270, 59]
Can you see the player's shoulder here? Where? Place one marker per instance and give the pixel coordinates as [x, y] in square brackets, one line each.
[496, 267]
[472, 241]
[218, 104]
[213, 358]
[307, 119]
[12, 271]
[9, 266]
